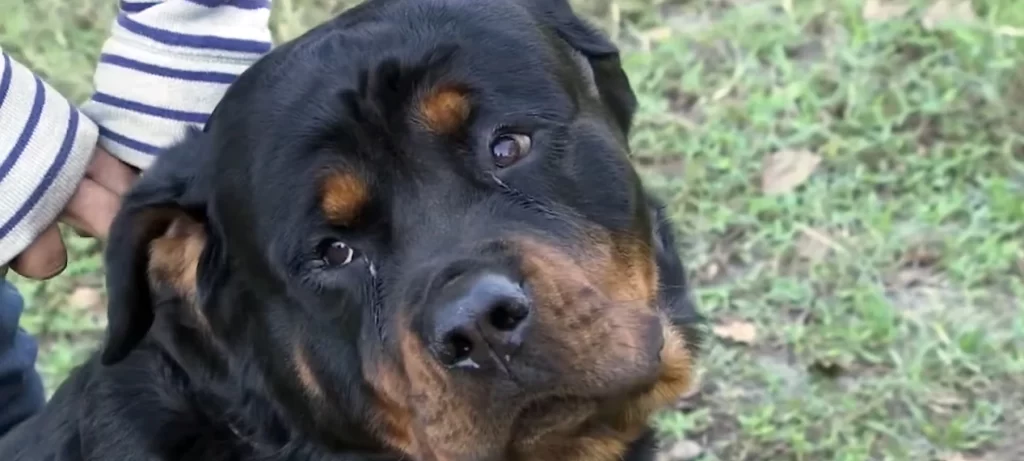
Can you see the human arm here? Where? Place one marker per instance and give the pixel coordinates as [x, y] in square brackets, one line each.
[164, 68]
[45, 147]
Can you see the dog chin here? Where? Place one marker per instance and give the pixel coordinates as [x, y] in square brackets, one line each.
[568, 413]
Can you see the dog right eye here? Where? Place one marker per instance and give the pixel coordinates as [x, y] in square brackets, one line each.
[510, 148]
[336, 253]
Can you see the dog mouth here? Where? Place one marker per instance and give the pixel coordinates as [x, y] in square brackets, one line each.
[584, 377]
[590, 356]
[549, 423]
[549, 417]
[553, 413]
[589, 390]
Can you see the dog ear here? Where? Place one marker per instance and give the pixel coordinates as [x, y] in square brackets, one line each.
[601, 54]
[674, 291]
[156, 240]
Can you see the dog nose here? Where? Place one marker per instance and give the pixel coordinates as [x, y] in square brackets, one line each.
[480, 321]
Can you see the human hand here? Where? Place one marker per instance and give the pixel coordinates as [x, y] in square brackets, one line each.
[90, 212]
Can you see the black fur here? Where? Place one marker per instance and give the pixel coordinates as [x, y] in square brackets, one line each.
[339, 97]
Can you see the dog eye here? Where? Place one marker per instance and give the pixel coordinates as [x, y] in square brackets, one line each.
[510, 148]
[337, 253]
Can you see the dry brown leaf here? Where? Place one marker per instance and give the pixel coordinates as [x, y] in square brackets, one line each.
[945, 12]
[651, 37]
[815, 244]
[811, 249]
[658, 34]
[921, 254]
[958, 457]
[785, 170]
[945, 402]
[737, 331]
[884, 10]
[84, 297]
[709, 271]
[682, 450]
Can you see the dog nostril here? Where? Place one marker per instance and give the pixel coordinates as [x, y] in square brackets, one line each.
[479, 319]
[507, 316]
[460, 347]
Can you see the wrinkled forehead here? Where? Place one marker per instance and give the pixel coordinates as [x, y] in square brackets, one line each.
[340, 101]
[362, 99]
[497, 48]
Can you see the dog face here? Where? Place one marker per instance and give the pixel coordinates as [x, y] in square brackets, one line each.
[416, 229]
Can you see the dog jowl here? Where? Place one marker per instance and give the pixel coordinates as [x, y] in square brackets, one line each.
[411, 233]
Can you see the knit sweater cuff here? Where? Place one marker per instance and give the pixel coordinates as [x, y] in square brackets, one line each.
[166, 66]
[45, 146]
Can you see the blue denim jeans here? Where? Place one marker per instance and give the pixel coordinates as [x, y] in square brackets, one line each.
[21, 388]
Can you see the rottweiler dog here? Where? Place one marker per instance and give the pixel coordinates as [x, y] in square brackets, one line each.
[413, 233]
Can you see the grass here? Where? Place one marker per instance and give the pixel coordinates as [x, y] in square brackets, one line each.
[872, 310]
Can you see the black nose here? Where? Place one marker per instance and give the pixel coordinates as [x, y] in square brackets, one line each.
[479, 321]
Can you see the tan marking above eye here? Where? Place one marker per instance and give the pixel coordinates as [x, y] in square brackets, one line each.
[444, 110]
[342, 197]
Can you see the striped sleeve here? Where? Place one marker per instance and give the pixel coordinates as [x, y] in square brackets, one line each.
[166, 66]
[45, 145]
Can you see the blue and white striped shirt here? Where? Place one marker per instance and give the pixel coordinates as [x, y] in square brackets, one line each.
[163, 69]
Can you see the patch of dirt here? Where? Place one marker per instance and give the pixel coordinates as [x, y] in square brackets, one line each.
[1012, 448]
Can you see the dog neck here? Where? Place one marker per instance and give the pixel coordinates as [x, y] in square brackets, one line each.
[216, 386]
[232, 394]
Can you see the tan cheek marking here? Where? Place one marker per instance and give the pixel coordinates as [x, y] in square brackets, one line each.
[343, 196]
[444, 110]
[174, 261]
[305, 373]
[619, 423]
[630, 273]
[450, 426]
[622, 266]
[675, 380]
[623, 271]
[392, 420]
[608, 448]
[415, 391]
[600, 328]
[174, 257]
[395, 424]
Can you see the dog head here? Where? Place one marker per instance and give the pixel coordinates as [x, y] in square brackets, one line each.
[416, 227]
